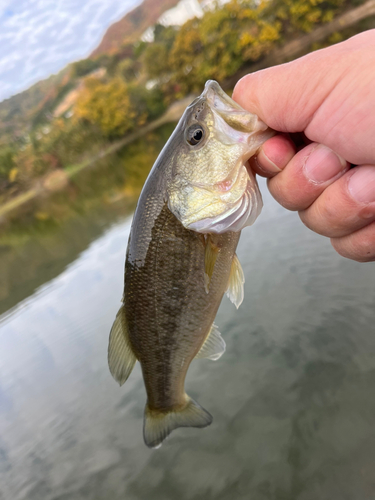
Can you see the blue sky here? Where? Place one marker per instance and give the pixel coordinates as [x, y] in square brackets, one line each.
[39, 37]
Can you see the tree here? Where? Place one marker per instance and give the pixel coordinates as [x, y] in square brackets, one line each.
[149, 104]
[216, 46]
[303, 15]
[106, 105]
[7, 165]
[187, 59]
[155, 55]
[83, 67]
[128, 69]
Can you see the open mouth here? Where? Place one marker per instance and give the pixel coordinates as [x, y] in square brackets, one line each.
[235, 201]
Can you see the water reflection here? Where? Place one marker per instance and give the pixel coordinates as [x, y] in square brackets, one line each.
[292, 398]
[46, 235]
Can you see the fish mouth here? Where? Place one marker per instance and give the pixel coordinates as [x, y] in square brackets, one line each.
[236, 215]
[232, 113]
[237, 198]
[218, 99]
[208, 205]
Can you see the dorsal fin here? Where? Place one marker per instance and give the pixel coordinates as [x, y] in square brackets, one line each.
[235, 290]
[121, 359]
[214, 345]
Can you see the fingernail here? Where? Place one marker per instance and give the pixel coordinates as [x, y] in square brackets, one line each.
[323, 164]
[266, 164]
[362, 185]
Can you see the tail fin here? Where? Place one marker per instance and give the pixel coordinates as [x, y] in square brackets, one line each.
[158, 425]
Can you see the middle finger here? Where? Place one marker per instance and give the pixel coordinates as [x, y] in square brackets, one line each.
[306, 176]
[345, 206]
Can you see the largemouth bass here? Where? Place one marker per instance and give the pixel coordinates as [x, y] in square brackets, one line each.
[181, 256]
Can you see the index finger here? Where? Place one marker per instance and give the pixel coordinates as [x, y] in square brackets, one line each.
[273, 156]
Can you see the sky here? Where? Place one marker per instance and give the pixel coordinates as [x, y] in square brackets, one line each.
[40, 37]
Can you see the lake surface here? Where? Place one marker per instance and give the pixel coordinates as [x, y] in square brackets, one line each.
[293, 397]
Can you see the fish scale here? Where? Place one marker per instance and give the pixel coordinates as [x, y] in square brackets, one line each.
[175, 277]
[165, 297]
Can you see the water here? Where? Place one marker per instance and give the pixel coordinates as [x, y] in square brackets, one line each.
[293, 397]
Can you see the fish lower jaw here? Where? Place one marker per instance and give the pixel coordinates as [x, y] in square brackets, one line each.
[243, 213]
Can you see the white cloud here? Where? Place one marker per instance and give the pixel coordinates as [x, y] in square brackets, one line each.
[39, 37]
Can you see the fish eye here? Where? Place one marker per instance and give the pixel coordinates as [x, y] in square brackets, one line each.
[194, 135]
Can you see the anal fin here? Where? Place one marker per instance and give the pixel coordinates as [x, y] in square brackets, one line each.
[214, 345]
[235, 290]
[121, 359]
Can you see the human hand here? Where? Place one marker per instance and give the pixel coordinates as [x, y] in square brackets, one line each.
[329, 95]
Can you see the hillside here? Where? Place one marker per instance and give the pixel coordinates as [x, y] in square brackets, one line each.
[132, 25]
[19, 110]
[23, 110]
[64, 123]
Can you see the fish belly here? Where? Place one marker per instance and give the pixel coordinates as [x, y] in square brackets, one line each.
[168, 311]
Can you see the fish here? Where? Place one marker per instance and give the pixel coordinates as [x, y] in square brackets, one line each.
[181, 256]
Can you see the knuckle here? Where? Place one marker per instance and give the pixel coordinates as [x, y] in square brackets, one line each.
[318, 219]
[358, 246]
[286, 197]
[331, 217]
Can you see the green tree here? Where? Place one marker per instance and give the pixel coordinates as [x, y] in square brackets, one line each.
[128, 69]
[165, 35]
[149, 104]
[7, 164]
[155, 55]
[187, 59]
[83, 67]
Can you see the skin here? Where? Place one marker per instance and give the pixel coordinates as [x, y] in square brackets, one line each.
[167, 308]
[175, 277]
[329, 177]
[168, 312]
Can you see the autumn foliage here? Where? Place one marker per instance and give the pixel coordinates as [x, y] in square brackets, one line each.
[116, 93]
[106, 104]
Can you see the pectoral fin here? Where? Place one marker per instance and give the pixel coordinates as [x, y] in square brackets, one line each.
[235, 290]
[210, 257]
[214, 345]
[121, 359]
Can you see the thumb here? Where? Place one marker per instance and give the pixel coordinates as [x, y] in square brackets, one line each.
[287, 96]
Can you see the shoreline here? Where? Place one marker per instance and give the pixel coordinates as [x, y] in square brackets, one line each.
[58, 180]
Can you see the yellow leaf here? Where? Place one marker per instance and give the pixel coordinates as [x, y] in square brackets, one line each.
[41, 215]
[13, 174]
